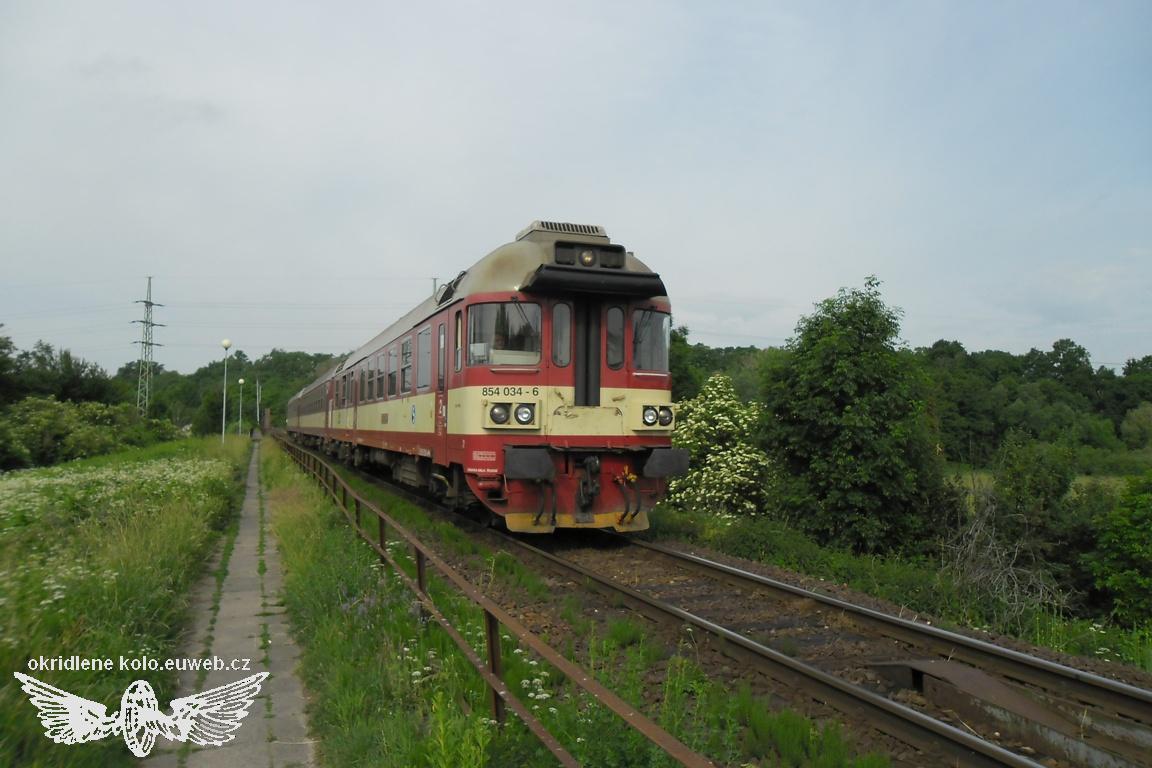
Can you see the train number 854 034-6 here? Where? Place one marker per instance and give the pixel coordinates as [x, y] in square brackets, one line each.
[510, 391]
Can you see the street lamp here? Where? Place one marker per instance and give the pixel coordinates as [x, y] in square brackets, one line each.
[240, 410]
[224, 410]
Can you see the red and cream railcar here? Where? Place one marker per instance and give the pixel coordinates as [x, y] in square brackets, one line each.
[536, 383]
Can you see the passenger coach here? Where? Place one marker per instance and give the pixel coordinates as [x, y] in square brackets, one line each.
[536, 384]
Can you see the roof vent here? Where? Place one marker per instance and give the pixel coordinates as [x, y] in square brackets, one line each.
[587, 230]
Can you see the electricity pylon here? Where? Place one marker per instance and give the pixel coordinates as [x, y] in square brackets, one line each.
[144, 365]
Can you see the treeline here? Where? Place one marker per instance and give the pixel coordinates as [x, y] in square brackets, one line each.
[56, 407]
[194, 400]
[972, 401]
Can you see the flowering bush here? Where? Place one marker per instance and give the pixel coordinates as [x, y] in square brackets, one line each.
[728, 474]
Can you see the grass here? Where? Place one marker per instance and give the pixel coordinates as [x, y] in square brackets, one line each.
[96, 560]
[390, 689]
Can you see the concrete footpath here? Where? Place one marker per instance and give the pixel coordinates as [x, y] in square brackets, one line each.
[241, 619]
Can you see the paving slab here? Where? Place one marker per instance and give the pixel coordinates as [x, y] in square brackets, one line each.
[243, 621]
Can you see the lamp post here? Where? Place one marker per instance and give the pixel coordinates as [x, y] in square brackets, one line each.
[240, 410]
[224, 409]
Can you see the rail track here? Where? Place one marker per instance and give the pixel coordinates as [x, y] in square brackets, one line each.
[1035, 709]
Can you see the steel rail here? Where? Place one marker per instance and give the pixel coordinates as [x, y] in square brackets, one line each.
[906, 724]
[1087, 688]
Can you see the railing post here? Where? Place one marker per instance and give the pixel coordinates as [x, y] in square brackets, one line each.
[421, 569]
[357, 502]
[495, 664]
[382, 532]
[421, 578]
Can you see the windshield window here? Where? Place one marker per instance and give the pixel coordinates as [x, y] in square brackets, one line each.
[562, 335]
[507, 333]
[651, 333]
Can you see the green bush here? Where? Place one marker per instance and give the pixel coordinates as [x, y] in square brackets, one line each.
[1136, 429]
[42, 431]
[859, 461]
[1123, 564]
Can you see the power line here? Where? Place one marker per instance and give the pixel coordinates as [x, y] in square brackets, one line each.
[144, 364]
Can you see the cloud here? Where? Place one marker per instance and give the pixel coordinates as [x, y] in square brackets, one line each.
[758, 156]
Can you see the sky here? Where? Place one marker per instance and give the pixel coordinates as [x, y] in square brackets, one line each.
[293, 175]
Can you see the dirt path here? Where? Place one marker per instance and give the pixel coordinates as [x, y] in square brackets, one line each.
[242, 618]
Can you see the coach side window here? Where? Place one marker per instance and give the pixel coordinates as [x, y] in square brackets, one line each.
[380, 376]
[392, 372]
[614, 354]
[406, 365]
[562, 334]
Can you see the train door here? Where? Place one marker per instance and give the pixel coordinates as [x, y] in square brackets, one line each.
[357, 391]
[593, 333]
[441, 443]
[330, 397]
[453, 402]
[587, 324]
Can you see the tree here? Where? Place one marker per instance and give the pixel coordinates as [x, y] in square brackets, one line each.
[9, 386]
[46, 371]
[1123, 564]
[960, 402]
[848, 430]
[1136, 429]
[1031, 479]
[206, 420]
[1138, 367]
[686, 374]
[1072, 367]
[728, 473]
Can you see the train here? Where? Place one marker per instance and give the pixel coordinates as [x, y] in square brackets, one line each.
[535, 385]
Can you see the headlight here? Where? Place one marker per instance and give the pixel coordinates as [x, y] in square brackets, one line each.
[665, 416]
[525, 413]
[499, 413]
[588, 258]
[650, 416]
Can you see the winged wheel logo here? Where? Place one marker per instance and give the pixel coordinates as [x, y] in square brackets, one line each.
[207, 719]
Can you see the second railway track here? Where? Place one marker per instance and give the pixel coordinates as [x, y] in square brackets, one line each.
[863, 661]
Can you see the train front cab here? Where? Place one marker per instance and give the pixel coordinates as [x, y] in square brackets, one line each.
[566, 402]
